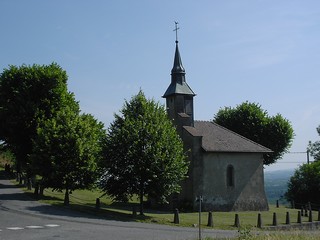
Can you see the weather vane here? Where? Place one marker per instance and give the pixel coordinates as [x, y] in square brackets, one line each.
[176, 30]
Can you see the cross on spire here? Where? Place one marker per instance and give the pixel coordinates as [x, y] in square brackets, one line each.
[176, 30]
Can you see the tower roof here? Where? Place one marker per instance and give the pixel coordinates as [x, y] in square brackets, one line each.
[177, 63]
[178, 83]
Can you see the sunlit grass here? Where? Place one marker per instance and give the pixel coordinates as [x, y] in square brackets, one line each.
[292, 235]
[85, 200]
[225, 220]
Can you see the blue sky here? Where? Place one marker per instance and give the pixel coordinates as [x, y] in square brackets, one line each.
[233, 51]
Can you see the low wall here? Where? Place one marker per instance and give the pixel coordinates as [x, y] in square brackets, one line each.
[292, 226]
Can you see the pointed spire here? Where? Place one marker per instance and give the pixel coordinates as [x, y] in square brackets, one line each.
[177, 64]
[178, 82]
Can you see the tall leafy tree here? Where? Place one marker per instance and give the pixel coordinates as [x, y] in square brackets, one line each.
[6, 156]
[67, 149]
[28, 94]
[314, 147]
[303, 186]
[251, 121]
[144, 154]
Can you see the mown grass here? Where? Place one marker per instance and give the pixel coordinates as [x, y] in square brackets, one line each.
[292, 235]
[278, 236]
[85, 200]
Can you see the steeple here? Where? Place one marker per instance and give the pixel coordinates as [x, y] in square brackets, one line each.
[178, 79]
[179, 96]
[177, 63]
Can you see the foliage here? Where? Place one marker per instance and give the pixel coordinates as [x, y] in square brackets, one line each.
[28, 94]
[314, 148]
[245, 233]
[251, 121]
[144, 154]
[304, 185]
[67, 149]
[6, 157]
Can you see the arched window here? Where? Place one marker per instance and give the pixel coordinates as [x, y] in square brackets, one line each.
[230, 176]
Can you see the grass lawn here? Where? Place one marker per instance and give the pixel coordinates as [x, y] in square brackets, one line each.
[84, 200]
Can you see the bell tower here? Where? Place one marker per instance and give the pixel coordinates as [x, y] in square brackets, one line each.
[179, 96]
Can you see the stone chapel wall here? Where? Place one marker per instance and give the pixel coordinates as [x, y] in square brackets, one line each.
[247, 191]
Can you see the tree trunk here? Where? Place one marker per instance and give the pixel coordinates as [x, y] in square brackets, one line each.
[20, 178]
[41, 189]
[36, 189]
[141, 198]
[29, 184]
[19, 171]
[66, 197]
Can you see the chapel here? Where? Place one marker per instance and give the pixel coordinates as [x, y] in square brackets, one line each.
[226, 169]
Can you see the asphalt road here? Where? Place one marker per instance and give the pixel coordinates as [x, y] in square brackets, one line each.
[26, 219]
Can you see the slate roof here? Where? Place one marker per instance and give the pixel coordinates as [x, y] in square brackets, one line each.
[178, 88]
[216, 138]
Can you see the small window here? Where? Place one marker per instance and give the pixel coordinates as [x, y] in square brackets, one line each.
[230, 176]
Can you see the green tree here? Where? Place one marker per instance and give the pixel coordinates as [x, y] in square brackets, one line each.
[28, 94]
[251, 121]
[144, 154]
[67, 149]
[304, 185]
[314, 148]
[6, 157]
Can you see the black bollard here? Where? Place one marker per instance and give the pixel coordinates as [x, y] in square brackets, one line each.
[274, 220]
[299, 217]
[310, 216]
[259, 222]
[288, 218]
[319, 215]
[210, 220]
[306, 212]
[277, 203]
[176, 219]
[98, 203]
[236, 220]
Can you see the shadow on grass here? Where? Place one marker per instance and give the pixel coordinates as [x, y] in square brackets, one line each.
[129, 206]
[41, 197]
[117, 211]
[6, 176]
[86, 211]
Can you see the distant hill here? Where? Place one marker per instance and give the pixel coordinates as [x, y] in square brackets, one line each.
[276, 183]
